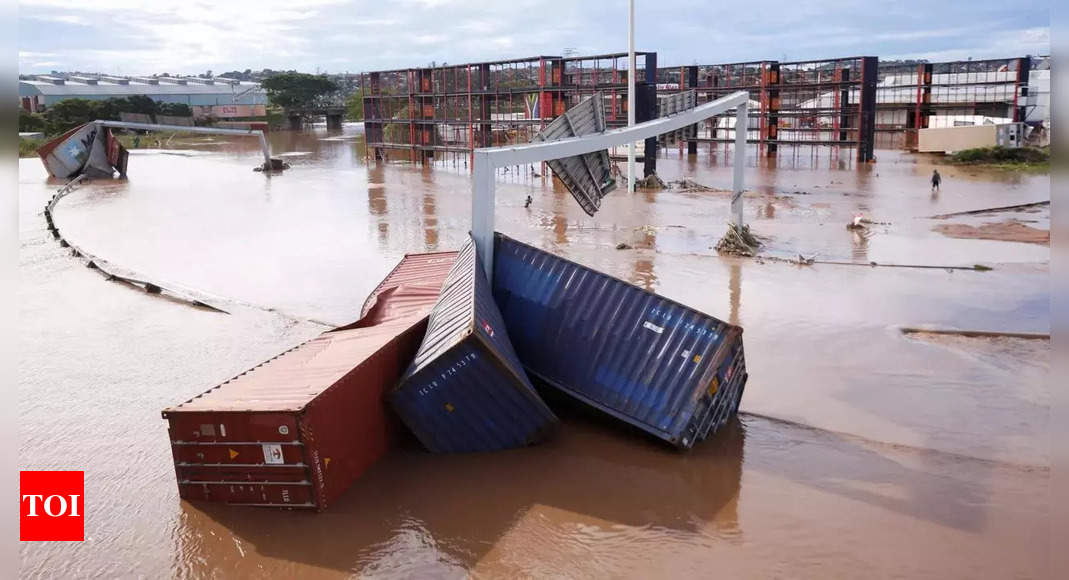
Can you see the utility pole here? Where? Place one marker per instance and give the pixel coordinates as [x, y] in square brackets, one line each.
[631, 93]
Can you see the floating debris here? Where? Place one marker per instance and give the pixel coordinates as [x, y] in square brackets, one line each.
[688, 184]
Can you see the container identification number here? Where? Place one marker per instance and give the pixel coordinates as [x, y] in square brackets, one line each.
[448, 373]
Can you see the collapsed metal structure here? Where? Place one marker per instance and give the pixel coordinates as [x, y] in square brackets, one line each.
[851, 102]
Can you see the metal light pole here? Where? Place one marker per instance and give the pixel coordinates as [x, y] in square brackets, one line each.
[631, 93]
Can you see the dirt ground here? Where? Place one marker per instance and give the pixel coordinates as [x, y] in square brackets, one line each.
[1007, 231]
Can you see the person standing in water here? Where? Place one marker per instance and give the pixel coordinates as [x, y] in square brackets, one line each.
[936, 180]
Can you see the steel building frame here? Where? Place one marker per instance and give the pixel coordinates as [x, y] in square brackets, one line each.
[909, 94]
[845, 102]
[459, 108]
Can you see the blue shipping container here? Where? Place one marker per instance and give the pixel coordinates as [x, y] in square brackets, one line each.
[466, 390]
[652, 362]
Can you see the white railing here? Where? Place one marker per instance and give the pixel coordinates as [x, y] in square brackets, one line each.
[209, 130]
[487, 160]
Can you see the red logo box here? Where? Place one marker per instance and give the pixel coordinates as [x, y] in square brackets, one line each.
[51, 506]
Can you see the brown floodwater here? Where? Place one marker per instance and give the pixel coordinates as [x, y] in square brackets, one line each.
[858, 451]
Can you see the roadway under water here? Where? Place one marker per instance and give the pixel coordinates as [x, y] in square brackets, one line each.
[860, 450]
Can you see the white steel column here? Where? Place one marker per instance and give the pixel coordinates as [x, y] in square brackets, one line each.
[631, 93]
[482, 210]
[738, 177]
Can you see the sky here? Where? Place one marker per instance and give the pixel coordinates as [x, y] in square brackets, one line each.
[130, 37]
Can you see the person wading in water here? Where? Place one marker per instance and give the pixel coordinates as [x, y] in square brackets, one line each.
[936, 180]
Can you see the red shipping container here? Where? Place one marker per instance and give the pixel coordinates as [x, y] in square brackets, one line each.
[298, 429]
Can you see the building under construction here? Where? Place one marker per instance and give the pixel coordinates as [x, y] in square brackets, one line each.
[852, 102]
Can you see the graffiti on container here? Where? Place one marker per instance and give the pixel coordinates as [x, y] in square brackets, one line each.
[448, 373]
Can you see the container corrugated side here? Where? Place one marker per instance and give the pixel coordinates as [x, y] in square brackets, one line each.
[420, 269]
[466, 390]
[298, 429]
[666, 368]
[301, 437]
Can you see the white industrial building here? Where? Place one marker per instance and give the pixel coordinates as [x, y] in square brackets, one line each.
[38, 92]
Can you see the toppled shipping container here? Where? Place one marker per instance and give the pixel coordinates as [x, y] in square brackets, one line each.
[663, 367]
[87, 149]
[298, 429]
[466, 390]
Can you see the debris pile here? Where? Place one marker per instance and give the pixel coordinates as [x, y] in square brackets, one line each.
[651, 181]
[738, 242]
[689, 185]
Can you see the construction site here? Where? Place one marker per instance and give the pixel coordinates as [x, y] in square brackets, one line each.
[853, 105]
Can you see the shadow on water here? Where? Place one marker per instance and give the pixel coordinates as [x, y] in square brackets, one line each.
[462, 505]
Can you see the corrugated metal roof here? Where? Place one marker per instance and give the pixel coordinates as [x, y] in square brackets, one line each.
[466, 390]
[588, 177]
[69, 88]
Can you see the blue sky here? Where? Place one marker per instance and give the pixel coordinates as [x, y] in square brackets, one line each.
[192, 36]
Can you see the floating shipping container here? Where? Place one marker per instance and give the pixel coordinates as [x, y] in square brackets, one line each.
[298, 429]
[659, 365]
[466, 391]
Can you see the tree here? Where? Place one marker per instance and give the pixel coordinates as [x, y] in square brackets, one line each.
[293, 89]
[355, 106]
[68, 114]
[30, 122]
[174, 109]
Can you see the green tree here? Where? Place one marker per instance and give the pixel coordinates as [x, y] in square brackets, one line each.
[293, 89]
[142, 104]
[30, 122]
[68, 114]
[175, 109]
[355, 106]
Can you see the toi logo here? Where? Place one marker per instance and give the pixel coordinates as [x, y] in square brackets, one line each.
[51, 506]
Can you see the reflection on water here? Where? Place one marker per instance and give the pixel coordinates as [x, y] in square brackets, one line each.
[887, 454]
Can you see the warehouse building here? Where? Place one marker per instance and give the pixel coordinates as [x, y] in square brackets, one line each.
[38, 92]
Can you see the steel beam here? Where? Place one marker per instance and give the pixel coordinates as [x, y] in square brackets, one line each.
[184, 129]
[487, 160]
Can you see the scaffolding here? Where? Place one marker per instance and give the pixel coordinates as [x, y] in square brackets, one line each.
[420, 112]
[852, 103]
[818, 102]
[913, 96]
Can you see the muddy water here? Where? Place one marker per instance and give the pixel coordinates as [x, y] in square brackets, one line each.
[859, 449]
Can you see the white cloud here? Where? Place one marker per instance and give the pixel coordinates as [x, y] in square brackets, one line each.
[61, 18]
[189, 36]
